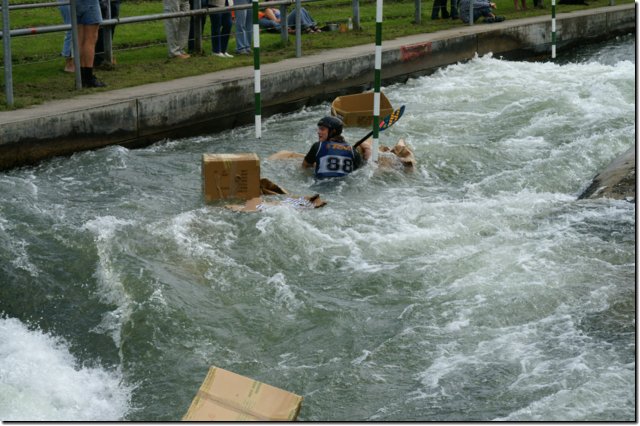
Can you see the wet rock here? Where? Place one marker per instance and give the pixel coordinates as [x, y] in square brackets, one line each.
[617, 181]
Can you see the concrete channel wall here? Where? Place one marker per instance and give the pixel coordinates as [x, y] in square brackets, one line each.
[213, 102]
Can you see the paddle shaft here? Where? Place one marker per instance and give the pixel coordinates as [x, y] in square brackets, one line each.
[388, 121]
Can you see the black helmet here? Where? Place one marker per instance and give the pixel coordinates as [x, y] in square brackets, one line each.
[334, 124]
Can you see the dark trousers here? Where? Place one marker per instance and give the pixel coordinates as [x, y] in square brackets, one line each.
[439, 7]
[115, 13]
[220, 30]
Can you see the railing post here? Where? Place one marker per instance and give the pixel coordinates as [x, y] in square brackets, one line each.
[356, 14]
[6, 41]
[284, 30]
[298, 31]
[418, 19]
[107, 39]
[74, 41]
[197, 28]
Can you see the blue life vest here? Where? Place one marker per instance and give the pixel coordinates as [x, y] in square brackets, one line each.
[334, 159]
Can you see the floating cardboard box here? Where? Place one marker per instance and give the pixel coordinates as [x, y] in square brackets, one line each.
[357, 110]
[228, 176]
[227, 396]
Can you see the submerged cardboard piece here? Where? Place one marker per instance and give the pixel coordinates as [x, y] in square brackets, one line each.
[400, 154]
[259, 204]
[228, 176]
[227, 396]
[357, 110]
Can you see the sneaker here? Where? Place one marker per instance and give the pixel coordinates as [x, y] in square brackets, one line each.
[182, 56]
[227, 55]
[219, 54]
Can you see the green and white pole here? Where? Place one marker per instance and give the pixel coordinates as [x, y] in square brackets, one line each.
[553, 29]
[256, 70]
[376, 82]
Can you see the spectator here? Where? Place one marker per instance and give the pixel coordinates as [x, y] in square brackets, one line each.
[220, 28]
[89, 18]
[65, 11]
[244, 28]
[332, 156]
[269, 19]
[177, 29]
[454, 9]
[440, 8]
[106, 7]
[480, 8]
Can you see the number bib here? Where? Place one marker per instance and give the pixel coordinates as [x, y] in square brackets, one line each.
[334, 159]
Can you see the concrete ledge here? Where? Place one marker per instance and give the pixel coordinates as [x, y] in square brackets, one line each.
[213, 102]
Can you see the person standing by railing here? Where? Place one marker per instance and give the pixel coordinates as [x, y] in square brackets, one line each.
[65, 11]
[220, 28]
[112, 7]
[244, 28]
[177, 29]
[89, 19]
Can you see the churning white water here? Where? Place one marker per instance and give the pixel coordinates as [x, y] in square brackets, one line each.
[475, 288]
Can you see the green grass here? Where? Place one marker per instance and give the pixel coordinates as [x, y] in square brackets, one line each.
[141, 53]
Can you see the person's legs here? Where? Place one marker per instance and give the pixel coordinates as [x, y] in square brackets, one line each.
[225, 31]
[176, 42]
[243, 35]
[99, 54]
[216, 33]
[183, 27]
[89, 18]
[454, 9]
[268, 24]
[305, 19]
[484, 12]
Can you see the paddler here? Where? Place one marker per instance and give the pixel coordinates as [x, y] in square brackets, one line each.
[332, 156]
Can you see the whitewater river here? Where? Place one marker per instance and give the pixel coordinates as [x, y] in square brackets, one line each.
[475, 288]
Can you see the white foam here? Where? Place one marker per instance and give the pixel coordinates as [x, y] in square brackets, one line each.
[41, 381]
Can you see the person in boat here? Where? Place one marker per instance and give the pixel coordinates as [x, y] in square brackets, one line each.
[332, 156]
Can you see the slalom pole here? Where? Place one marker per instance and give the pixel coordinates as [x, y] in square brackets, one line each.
[376, 83]
[256, 69]
[553, 29]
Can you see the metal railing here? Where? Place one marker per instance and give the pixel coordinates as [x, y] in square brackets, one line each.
[107, 23]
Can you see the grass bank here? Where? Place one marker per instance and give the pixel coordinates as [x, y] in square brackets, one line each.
[141, 53]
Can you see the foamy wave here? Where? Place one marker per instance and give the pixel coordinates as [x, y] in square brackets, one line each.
[41, 381]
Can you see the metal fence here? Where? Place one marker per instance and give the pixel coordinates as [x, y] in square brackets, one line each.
[107, 22]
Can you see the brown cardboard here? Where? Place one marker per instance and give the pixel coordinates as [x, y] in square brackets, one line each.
[259, 204]
[285, 155]
[227, 396]
[227, 176]
[357, 110]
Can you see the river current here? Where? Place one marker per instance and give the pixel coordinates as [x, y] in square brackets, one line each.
[475, 288]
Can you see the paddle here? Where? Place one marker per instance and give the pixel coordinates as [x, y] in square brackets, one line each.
[386, 122]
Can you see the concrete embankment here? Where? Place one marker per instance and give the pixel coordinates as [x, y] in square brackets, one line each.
[208, 103]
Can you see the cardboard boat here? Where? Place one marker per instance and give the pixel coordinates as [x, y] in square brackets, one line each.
[357, 110]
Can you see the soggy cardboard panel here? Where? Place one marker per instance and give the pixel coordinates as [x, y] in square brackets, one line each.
[357, 110]
[229, 176]
[259, 204]
[227, 396]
